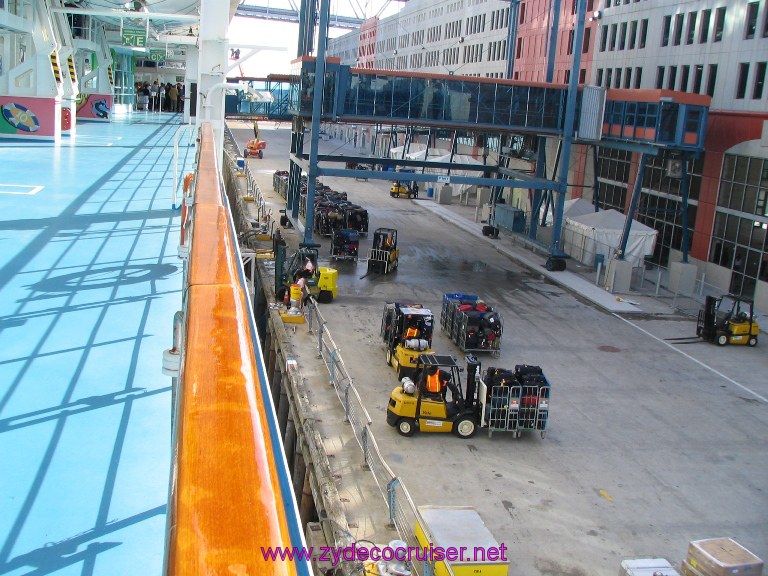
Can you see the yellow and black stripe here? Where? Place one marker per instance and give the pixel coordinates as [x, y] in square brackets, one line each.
[55, 66]
[72, 71]
[109, 72]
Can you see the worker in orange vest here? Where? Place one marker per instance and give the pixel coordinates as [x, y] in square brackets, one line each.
[435, 380]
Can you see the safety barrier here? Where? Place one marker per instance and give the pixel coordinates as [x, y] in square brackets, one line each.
[403, 514]
[230, 489]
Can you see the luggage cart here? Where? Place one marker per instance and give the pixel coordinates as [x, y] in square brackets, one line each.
[472, 330]
[344, 244]
[516, 401]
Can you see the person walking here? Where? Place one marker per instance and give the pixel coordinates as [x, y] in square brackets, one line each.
[154, 91]
[167, 101]
[180, 99]
[145, 94]
[173, 95]
[161, 99]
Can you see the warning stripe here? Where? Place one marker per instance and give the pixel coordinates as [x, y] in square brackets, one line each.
[109, 71]
[72, 72]
[55, 66]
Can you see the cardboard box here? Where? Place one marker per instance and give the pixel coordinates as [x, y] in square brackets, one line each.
[722, 557]
[689, 570]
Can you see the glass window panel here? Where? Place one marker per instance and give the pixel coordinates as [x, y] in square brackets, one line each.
[719, 228]
[737, 196]
[719, 23]
[750, 199]
[754, 170]
[724, 196]
[740, 173]
[678, 29]
[741, 84]
[704, 27]
[745, 231]
[751, 23]
[752, 267]
[691, 27]
[758, 236]
[729, 164]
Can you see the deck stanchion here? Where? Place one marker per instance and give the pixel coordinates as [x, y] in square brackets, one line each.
[392, 501]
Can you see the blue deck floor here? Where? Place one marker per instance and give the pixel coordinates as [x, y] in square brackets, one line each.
[89, 283]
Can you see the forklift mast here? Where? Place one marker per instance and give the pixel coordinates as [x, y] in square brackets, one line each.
[473, 372]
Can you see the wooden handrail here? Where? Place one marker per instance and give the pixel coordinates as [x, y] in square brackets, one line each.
[229, 487]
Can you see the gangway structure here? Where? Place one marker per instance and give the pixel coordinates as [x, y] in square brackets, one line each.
[649, 121]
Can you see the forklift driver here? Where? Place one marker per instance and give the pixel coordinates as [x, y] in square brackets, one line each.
[434, 384]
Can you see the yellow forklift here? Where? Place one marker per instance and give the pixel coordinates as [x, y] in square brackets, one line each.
[321, 280]
[384, 254]
[498, 400]
[728, 320]
[400, 190]
[407, 333]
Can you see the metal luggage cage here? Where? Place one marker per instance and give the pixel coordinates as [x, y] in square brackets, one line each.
[516, 409]
[455, 323]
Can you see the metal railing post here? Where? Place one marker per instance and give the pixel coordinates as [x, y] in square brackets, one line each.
[658, 280]
[320, 330]
[346, 402]
[332, 367]
[364, 443]
[392, 501]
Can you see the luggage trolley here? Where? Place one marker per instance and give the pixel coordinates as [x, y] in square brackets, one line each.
[515, 401]
[473, 326]
[344, 244]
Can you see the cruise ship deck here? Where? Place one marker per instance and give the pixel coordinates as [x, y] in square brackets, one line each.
[89, 286]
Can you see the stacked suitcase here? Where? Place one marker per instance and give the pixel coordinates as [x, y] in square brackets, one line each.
[473, 326]
[516, 400]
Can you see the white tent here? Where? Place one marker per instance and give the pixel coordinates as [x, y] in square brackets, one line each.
[595, 233]
[458, 189]
[572, 207]
[417, 152]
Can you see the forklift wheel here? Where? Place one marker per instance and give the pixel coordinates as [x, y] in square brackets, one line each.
[465, 427]
[325, 297]
[752, 341]
[389, 357]
[406, 426]
[722, 340]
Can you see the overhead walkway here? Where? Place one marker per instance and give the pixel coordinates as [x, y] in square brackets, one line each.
[355, 95]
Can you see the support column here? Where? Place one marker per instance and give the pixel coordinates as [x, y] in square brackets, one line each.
[632, 207]
[191, 83]
[276, 385]
[684, 190]
[282, 411]
[213, 58]
[299, 472]
[307, 510]
[289, 439]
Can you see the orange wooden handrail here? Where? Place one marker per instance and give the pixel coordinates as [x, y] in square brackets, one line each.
[226, 500]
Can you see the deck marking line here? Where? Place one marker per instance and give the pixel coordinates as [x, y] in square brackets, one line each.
[24, 189]
[699, 362]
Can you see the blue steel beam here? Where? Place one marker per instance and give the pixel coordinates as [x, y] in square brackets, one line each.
[568, 130]
[287, 15]
[632, 207]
